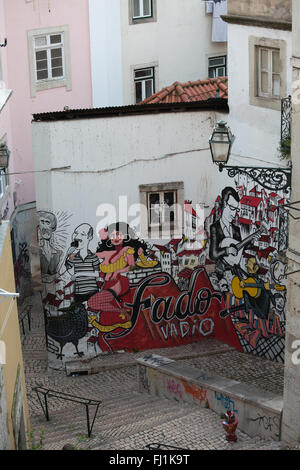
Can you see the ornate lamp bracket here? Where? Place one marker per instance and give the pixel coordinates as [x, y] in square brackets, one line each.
[268, 177]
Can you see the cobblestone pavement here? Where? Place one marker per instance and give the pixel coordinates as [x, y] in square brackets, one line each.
[128, 419]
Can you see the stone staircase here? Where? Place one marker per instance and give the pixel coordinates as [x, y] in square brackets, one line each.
[127, 419]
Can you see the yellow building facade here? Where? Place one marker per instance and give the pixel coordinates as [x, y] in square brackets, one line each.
[14, 417]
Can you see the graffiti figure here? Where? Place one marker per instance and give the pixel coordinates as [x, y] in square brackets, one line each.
[49, 255]
[119, 250]
[226, 244]
[68, 327]
[279, 305]
[224, 230]
[82, 264]
[254, 291]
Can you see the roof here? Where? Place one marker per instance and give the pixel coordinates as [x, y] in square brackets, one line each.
[186, 273]
[116, 111]
[242, 220]
[251, 201]
[189, 253]
[189, 209]
[199, 90]
[162, 248]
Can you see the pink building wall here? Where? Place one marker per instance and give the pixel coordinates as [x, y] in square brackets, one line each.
[20, 17]
[5, 114]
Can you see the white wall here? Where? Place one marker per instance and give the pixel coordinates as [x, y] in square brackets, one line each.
[179, 42]
[257, 129]
[113, 156]
[106, 63]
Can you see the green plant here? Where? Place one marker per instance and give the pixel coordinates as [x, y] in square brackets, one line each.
[285, 148]
[33, 445]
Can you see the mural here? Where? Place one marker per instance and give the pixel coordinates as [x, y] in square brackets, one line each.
[224, 278]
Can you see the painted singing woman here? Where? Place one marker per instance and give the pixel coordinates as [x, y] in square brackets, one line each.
[118, 250]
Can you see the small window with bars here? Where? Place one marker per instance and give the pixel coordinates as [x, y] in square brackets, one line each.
[268, 71]
[217, 67]
[49, 57]
[141, 9]
[143, 83]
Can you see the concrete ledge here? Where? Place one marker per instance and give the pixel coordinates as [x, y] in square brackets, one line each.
[119, 359]
[258, 411]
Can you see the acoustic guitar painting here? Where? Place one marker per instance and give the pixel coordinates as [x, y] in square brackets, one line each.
[250, 285]
[228, 242]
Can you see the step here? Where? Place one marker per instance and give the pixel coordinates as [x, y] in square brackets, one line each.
[258, 411]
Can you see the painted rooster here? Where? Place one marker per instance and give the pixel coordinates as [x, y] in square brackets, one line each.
[68, 327]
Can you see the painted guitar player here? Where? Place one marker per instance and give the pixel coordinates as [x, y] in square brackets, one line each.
[226, 244]
[118, 250]
[226, 249]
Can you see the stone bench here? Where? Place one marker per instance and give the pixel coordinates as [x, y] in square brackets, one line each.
[258, 411]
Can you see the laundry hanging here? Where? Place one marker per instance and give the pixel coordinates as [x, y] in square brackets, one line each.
[219, 26]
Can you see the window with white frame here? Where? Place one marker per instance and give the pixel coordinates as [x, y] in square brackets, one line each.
[161, 208]
[217, 66]
[268, 71]
[49, 54]
[144, 84]
[163, 203]
[141, 9]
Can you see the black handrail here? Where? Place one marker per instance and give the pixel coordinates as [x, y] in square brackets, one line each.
[47, 393]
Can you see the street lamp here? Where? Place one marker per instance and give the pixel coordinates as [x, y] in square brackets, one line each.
[4, 156]
[220, 143]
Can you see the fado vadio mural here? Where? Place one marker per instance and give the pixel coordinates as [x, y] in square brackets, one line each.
[226, 282]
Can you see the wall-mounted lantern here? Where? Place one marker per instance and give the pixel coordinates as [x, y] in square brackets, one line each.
[4, 156]
[220, 143]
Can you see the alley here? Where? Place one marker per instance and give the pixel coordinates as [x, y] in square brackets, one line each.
[128, 419]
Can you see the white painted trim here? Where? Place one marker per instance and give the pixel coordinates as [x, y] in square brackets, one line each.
[36, 86]
[143, 66]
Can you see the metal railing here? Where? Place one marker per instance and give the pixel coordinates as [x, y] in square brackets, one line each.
[47, 393]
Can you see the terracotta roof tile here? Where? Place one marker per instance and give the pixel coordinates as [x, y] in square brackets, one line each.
[199, 90]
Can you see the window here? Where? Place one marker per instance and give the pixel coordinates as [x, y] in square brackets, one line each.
[217, 67]
[268, 72]
[161, 208]
[4, 182]
[142, 11]
[143, 83]
[49, 58]
[163, 203]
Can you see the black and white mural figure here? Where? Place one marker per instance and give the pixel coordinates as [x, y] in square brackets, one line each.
[82, 264]
[50, 255]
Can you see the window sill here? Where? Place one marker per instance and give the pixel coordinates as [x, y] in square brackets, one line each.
[49, 84]
[262, 102]
[143, 19]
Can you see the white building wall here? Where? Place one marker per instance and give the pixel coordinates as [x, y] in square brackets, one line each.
[106, 63]
[178, 43]
[103, 167]
[257, 129]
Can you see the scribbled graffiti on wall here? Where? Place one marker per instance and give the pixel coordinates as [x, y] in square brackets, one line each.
[222, 279]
